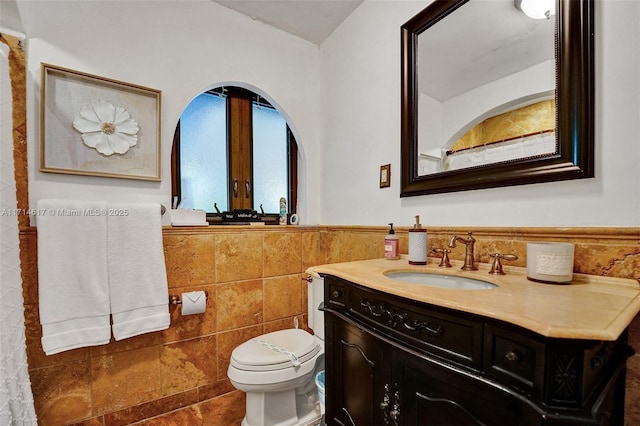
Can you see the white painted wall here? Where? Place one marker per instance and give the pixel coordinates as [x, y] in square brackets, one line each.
[360, 83]
[343, 101]
[181, 48]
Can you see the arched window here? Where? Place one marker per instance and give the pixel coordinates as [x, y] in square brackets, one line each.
[234, 152]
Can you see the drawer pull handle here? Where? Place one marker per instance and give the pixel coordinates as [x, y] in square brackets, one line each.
[393, 319]
[395, 412]
[390, 417]
[511, 356]
[384, 405]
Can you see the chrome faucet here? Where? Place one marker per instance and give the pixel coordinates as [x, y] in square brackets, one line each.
[469, 263]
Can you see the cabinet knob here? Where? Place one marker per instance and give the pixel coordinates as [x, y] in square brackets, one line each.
[336, 293]
[511, 356]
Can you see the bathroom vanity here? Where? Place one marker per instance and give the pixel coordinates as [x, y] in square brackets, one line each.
[520, 353]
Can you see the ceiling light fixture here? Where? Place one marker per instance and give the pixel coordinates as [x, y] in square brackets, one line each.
[537, 9]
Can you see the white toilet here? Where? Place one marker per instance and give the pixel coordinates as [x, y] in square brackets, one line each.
[277, 371]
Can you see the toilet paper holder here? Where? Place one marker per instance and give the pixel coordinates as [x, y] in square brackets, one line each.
[174, 299]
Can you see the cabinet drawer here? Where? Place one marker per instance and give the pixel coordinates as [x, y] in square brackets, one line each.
[515, 359]
[427, 329]
[334, 294]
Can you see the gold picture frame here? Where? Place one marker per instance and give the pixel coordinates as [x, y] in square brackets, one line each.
[77, 139]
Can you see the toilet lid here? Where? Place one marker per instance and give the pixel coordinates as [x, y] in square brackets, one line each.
[275, 351]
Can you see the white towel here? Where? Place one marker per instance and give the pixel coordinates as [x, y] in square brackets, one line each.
[72, 274]
[137, 273]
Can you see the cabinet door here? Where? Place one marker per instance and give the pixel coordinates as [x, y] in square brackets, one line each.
[355, 375]
[433, 394]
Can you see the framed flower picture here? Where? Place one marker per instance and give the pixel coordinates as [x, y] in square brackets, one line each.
[95, 126]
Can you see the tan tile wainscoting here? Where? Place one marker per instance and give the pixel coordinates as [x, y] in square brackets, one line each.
[254, 279]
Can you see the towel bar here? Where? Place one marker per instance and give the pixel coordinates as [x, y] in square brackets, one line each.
[174, 299]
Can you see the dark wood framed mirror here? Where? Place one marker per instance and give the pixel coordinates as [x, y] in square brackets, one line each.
[572, 152]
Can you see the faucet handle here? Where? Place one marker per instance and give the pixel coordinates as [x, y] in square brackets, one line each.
[444, 254]
[496, 266]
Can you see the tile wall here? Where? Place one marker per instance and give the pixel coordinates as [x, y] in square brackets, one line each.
[253, 277]
[254, 281]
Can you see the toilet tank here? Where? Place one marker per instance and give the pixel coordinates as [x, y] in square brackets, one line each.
[315, 296]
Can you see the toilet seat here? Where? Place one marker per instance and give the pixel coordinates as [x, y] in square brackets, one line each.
[275, 351]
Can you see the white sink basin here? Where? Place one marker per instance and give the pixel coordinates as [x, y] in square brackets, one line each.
[438, 280]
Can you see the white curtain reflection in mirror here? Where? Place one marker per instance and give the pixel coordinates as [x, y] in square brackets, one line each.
[529, 146]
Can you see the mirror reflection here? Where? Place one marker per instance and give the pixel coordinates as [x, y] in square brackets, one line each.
[486, 87]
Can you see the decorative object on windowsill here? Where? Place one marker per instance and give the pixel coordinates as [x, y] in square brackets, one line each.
[240, 215]
[107, 128]
[188, 217]
[85, 119]
[283, 211]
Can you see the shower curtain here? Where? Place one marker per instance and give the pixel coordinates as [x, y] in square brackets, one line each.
[16, 399]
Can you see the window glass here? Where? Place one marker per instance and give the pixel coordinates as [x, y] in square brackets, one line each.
[203, 153]
[270, 168]
[227, 135]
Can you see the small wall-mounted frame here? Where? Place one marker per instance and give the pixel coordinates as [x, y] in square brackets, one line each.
[95, 126]
[385, 176]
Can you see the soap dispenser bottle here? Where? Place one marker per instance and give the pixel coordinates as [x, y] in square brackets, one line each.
[417, 244]
[391, 245]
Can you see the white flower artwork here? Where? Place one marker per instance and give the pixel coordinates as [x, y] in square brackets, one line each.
[107, 128]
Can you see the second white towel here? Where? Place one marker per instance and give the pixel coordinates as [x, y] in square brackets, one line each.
[137, 273]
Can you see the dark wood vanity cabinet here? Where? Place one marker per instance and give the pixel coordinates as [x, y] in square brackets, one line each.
[394, 361]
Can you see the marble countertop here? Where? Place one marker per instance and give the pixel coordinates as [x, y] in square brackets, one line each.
[590, 307]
